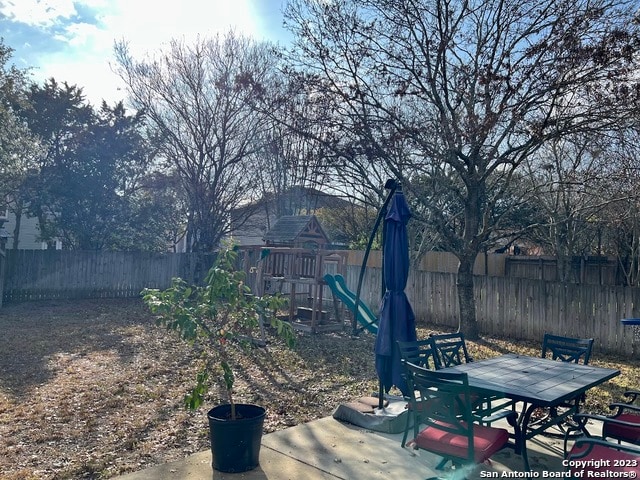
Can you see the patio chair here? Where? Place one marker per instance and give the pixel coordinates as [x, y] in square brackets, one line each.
[567, 349]
[451, 350]
[421, 353]
[451, 431]
[628, 412]
[591, 454]
[564, 349]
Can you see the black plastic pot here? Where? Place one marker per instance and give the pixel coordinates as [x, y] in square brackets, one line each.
[235, 444]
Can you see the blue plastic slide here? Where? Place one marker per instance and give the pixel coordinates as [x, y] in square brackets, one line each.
[339, 288]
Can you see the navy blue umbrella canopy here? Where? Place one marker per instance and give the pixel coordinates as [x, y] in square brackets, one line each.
[397, 321]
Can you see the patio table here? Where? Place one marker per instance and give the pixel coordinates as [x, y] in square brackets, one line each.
[539, 383]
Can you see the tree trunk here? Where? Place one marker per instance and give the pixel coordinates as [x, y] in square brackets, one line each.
[16, 230]
[467, 322]
[471, 247]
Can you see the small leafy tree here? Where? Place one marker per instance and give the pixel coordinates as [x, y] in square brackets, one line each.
[219, 315]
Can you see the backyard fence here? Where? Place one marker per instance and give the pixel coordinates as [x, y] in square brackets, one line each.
[516, 308]
[521, 308]
[49, 274]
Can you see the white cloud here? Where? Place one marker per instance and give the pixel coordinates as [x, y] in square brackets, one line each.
[39, 13]
[81, 35]
[147, 25]
[92, 74]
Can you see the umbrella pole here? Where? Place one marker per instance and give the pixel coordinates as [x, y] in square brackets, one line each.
[391, 185]
[396, 318]
[383, 288]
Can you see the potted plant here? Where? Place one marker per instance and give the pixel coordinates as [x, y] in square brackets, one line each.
[215, 317]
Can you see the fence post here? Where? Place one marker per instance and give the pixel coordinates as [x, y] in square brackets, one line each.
[3, 259]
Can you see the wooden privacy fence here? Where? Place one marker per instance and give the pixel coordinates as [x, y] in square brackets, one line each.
[519, 308]
[516, 308]
[48, 274]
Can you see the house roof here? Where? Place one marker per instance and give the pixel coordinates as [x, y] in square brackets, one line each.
[290, 229]
[297, 199]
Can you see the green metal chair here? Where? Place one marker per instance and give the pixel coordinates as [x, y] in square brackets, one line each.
[567, 349]
[451, 430]
[451, 350]
[421, 353]
[564, 349]
[628, 412]
[589, 452]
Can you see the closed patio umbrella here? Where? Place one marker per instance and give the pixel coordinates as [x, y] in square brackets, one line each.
[397, 321]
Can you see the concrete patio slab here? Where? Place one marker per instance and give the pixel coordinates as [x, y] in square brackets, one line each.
[328, 449]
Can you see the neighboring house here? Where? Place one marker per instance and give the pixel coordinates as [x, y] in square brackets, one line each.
[3, 240]
[29, 234]
[265, 212]
[180, 245]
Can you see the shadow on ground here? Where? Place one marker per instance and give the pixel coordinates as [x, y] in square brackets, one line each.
[34, 332]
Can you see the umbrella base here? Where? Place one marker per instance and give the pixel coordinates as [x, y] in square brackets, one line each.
[391, 419]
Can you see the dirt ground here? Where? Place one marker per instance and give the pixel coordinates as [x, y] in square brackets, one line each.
[93, 388]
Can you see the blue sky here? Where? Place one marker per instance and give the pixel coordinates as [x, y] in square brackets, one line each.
[73, 40]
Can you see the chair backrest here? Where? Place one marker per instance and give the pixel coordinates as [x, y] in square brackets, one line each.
[451, 349]
[567, 349]
[588, 454]
[419, 352]
[446, 396]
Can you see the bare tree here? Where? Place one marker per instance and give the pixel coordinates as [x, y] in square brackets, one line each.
[291, 160]
[618, 225]
[572, 183]
[201, 101]
[453, 96]
[584, 189]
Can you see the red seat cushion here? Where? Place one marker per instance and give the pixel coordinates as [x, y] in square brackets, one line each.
[614, 460]
[623, 432]
[418, 406]
[486, 442]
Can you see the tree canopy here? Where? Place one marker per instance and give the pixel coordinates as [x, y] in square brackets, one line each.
[200, 100]
[85, 186]
[454, 96]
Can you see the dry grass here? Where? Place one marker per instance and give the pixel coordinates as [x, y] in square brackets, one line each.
[93, 389]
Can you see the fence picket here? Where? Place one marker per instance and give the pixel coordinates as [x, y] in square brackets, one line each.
[518, 308]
